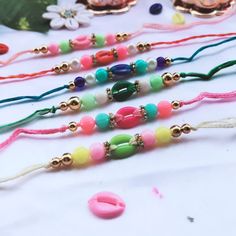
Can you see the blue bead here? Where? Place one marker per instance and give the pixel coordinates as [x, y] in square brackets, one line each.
[155, 9]
[121, 70]
[161, 62]
[79, 82]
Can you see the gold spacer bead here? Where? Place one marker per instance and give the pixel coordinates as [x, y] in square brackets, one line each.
[140, 47]
[175, 131]
[176, 76]
[167, 61]
[55, 163]
[74, 103]
[66, 159]
[44, 49]
[175, 105]
[57, 69]
[71, 85]
[119, 37]
[36, 50]
[63, 106]
[167, 79]
[65, 66]
[186, 128]
[93, 39]
[147, 46]
[73, 126]
[125, 36]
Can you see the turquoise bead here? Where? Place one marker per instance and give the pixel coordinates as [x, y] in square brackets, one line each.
[88, 101]
[151, 110]
[156, 82]
[102, 121]
[141, 67]
[101, 75]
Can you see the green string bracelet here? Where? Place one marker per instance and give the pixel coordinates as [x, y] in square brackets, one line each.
[121, 91]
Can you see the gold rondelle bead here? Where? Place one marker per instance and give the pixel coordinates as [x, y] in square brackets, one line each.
[67, 159]
[175, 131]
[63, 106]
[55, 162]
[167, 79]
[57, 69]
[74, 103]
[36, 50]
[175, 105]
[65, 66]
[176, 76]
[168, 61]
[44, 49]
[73, 126]
[71, 85]
[186, 128]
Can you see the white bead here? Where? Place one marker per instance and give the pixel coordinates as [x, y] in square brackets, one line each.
[71, 24]
[75, 64]
[101, 98]
[132, 49]
[152, 64]
[90, 79]
[145, 86]
[57, 23]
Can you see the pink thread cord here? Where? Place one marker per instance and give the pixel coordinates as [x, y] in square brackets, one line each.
[14, 136]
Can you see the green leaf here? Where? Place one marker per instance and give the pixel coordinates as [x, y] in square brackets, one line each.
[25, 14]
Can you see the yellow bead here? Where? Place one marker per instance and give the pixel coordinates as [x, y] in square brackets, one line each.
[163, 135]
[81, 156]
[178, 19]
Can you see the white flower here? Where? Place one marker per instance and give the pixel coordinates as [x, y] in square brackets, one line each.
[70, 16]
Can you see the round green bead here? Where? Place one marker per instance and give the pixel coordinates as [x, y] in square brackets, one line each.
[100, 40]
[156, 82]
[123, 147]
[141, 67]
[151, 110]
[101, 75]
[102, 121]
[65, 46]
[88, 101]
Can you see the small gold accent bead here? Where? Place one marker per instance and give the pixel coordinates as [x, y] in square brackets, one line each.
[107, 147]
[175, 131]
[168, 61]
[147, 46]
[44, 49]
[167, 79]
[36, 50]
[74, 103]
[66, 159]
[176, 76]
[71, 85]
[125, 36]
[65, 66]
[57, 69]
[175, 105]
[140, 47]
[119, 37]
[109, 94]
[186, 128]
[55, 162]
[114, 52]
[112, 121]
[63, 106]
[93, 39]
[73, 126]
[137, 86]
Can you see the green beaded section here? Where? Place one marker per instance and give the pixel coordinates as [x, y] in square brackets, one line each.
[151, 110]
[141, 67]
[101, 75]
[88, 101]
[156, 82]
[100, 40]
[122, 90]
[123, 148]
[102, 121]
[65, 46]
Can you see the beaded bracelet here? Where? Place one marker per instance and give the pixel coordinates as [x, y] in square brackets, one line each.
[116, 72]
[125, 118]
[121, 146]
[106, 57]
[121, 91]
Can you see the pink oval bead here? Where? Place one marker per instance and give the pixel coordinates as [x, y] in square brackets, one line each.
[122, 52]
[97, 152]
[148, 138]
[110, 39]
[86, 61]
[127, 118]
[87, 124]
[106, 205]
[82, 42]
[164, 109]
[53, 49]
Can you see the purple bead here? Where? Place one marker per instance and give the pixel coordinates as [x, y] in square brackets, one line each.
[155, 9]
[79, 82]
[161, 62]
